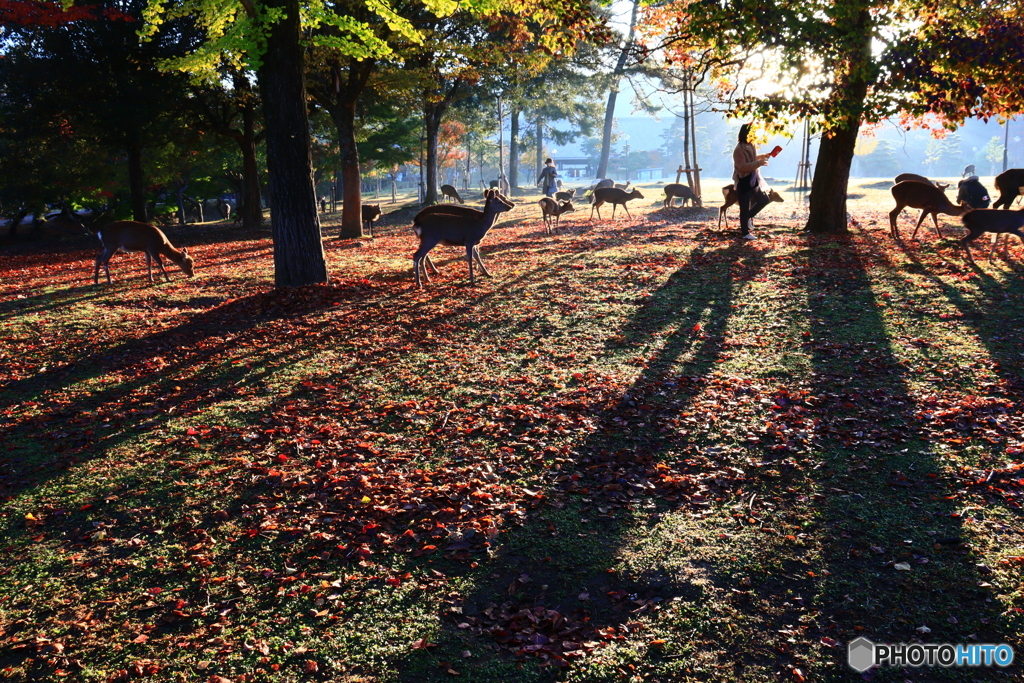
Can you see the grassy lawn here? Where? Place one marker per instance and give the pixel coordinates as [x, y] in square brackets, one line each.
[645, 450]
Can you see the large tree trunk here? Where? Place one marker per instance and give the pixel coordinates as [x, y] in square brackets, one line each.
[136, 182]
[513, 152]
[352, 206]
[613, 94]
[298, 244]
[432, 123]
[835, 153]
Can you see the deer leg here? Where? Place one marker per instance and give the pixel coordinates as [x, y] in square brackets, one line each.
[418, 259]
[160, 262]
[893, 215]
[469, 257]
[935, 217]
[626, 209]
[965, 243]
[924, 214]
[480, 261]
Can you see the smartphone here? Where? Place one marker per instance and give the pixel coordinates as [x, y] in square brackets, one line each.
[775, 152]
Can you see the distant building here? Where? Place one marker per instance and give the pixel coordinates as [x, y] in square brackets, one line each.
[574, 167]
[648, 174]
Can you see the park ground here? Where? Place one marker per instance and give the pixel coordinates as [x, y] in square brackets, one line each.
[645, 450]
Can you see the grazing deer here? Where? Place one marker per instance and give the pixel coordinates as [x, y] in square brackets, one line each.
[919, 178]
[925, 196]
[1009, 184]
[613, 196]
[549, 207]
[999, 221]
[680, 191]
[133, 236]
[449, 192]
[371, 212]
[606, 182]
[731, 198]
[456, 229]
[969, 170]
[565, 195]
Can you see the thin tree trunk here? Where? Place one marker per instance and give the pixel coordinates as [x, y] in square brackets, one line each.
[137, 182]
[613, 94]
[352, 199]
[298, 244]
[513, 151]
[693, 137]
[540, 146]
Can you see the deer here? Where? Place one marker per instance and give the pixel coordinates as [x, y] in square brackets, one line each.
[919, 178]
[968, 171]
[457, 228]
[565, 195]
[998, 221]
[1009, 184]
[925, 196]
[678, 190]
[613, 196]
[371, 212]
[449, 192]
[549, 207]
[731, 198]
[134, 236]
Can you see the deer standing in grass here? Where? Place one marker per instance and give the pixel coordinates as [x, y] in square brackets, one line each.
[449, 192]
[613, 196]
[999, 221]
[133, 236]
[680, 191]
[731, 198]
[549, 207]
[465, 227]
[925, 196]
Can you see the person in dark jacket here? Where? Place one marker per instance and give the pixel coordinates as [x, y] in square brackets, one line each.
[546, 179]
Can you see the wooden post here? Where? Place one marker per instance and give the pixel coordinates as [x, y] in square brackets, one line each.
[679, 173]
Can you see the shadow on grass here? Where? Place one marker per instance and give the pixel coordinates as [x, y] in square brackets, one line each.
[550, 588]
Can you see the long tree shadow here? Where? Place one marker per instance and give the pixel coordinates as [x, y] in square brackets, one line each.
[899, 562]
[554, 594]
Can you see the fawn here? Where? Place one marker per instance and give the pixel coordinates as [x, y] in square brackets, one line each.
[549, 207]
[371, 212]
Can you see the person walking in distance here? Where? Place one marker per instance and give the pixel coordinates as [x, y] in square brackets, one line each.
[546, 179]
[751, 190]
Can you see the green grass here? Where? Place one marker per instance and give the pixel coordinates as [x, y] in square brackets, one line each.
[643, 451]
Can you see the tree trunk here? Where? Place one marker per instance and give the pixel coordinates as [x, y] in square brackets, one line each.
[613, 94]
[182, 218]
[136, 183]
[252, 203]
[540, 146]
[835, 153]
[352, 199]
[693, 137]
[298, 244]
[513, 151]
[432, 124]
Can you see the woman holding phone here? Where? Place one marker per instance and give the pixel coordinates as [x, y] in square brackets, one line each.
[751, 190]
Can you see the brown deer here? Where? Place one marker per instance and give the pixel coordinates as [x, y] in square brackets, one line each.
[133, 236]
[565, 195]
[999, 221]
[925, 196]
[457, 229]
[549, 207]
[675, 191]
[371, 212]
[613, 196]
[449, 192]
[731, 198]
[919, 178]
[1009, 183]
